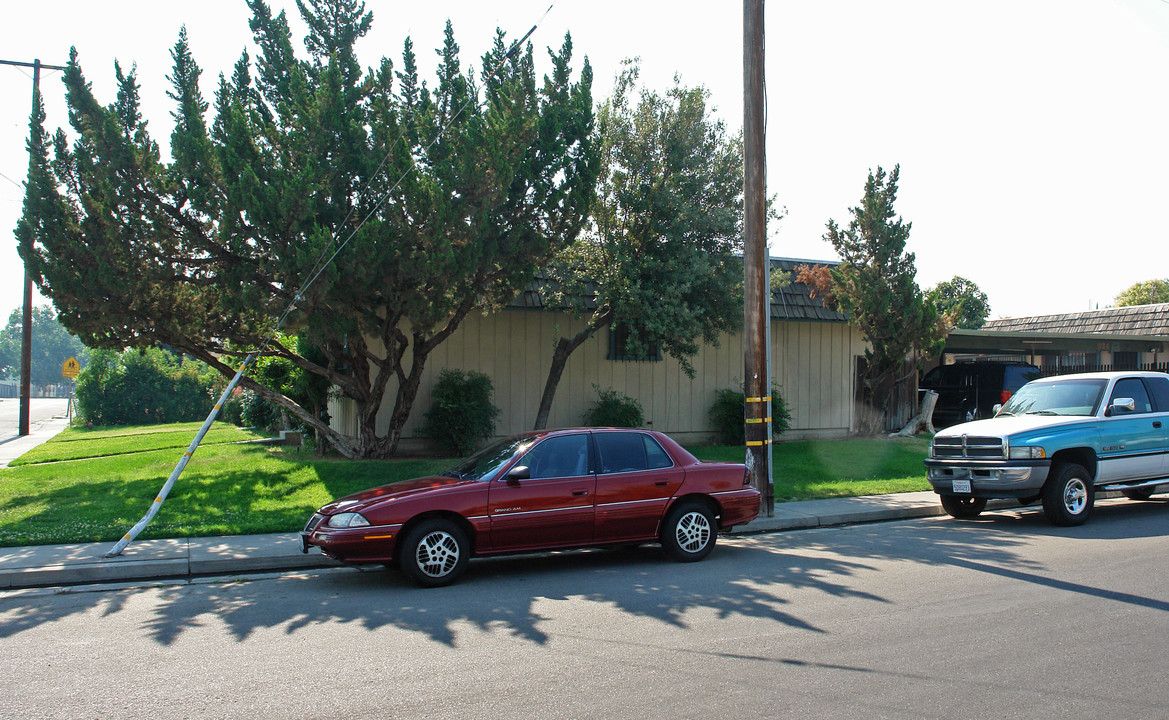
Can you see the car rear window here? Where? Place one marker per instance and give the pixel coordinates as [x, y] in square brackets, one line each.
[630, 452]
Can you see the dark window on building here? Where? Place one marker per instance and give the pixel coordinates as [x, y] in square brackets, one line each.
[622, 348]
[1125, 360]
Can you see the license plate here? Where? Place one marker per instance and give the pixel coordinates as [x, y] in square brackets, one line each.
[961, 486]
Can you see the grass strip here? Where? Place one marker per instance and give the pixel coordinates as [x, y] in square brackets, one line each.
[242, 489]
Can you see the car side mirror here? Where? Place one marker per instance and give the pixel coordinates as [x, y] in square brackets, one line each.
[995, 410]
[1125, 404]
[519, 472]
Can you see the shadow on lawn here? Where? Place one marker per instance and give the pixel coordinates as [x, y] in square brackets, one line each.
[756, 577]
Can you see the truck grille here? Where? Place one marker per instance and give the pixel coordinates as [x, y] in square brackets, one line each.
[968, 446]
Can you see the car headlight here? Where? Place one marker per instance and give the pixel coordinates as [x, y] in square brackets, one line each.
[349, 519]
[1027, 452]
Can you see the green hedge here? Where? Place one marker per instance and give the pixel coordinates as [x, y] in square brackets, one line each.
[144, 388]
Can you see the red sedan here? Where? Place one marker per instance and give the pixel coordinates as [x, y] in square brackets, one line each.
[540, 491]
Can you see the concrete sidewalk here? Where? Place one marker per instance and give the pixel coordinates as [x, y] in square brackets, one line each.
[64, 565]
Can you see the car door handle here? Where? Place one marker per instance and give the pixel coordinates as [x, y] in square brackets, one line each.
[579, 493]
[661, 483]
[1157, 424]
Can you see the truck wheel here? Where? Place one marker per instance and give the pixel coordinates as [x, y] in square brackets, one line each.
[963, 507]
[1068, 495]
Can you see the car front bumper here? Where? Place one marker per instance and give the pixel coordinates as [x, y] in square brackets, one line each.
[368, 544]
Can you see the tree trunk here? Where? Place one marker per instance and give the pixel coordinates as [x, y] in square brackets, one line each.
[564, 348]
[924, 419]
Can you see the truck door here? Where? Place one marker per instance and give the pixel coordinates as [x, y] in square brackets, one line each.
[1132, 441]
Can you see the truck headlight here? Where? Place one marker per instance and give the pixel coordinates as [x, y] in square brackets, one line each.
[1027, 452]
[349, 519]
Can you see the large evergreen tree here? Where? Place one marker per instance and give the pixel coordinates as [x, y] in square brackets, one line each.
[659, 256]
[874, 284]
[436, 201]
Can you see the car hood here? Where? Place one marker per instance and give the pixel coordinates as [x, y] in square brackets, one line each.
[1010, 425]
[394, 491]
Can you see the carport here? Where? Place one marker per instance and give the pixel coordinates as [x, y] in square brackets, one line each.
[1130, 338]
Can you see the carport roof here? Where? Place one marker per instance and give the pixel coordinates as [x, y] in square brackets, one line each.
[1146, 321]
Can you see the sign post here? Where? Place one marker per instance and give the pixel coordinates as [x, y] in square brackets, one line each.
[69, 370]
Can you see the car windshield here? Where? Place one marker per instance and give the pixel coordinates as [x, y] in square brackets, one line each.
[484, 464]
[1056, 397]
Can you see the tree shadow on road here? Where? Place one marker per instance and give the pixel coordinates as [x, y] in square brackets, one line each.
[756, 577]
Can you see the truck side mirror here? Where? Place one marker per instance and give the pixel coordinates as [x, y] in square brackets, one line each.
[1121, 404]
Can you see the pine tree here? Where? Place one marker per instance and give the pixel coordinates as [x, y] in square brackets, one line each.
[436, 204]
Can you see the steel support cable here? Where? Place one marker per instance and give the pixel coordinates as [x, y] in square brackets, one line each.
[315, 273]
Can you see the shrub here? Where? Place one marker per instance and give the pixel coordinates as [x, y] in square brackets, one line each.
[256, 412]
[144, 387]
[727, 414]
[614, 409]
[461, 416]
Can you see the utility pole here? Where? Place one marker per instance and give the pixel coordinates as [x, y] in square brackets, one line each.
[26, 329]
[756, 267]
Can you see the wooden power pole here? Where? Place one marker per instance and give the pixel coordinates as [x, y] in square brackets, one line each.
[26, 329]
[757, 305]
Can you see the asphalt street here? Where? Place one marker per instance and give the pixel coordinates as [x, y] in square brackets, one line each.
[42, 413]
[1002, 617]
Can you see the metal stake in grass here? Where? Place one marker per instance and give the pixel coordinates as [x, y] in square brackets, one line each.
[117, 549]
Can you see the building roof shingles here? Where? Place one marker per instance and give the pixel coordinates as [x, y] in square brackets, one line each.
[1142, 320]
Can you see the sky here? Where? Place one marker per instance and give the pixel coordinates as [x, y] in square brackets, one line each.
[1032, 135]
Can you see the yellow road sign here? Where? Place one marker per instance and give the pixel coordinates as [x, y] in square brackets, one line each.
[70, 368]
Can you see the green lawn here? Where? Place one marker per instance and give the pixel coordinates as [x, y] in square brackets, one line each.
[93, 485]
[810, 469]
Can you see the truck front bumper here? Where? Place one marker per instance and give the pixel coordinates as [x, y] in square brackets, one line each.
[988, 479]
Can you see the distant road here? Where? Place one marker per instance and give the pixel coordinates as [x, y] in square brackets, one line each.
[40, 409]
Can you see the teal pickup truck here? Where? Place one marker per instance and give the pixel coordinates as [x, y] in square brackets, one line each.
[1059, 440]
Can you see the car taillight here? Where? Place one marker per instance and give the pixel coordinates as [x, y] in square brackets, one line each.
[1004, 396]
[747, 476]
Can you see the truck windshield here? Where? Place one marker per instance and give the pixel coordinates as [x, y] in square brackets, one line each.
[1056, 397]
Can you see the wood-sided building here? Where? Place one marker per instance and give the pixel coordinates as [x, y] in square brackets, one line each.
[813, 355]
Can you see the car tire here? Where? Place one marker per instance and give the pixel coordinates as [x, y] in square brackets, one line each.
[434, 553]
[689, 532]
[1139, 493]
[963, 506]
[1068, 495]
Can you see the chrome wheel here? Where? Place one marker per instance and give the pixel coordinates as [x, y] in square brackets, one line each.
[693, 531]
[438, 554]
[434, 552]
[1068, 494]
[689, 532]
[1075, 496]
